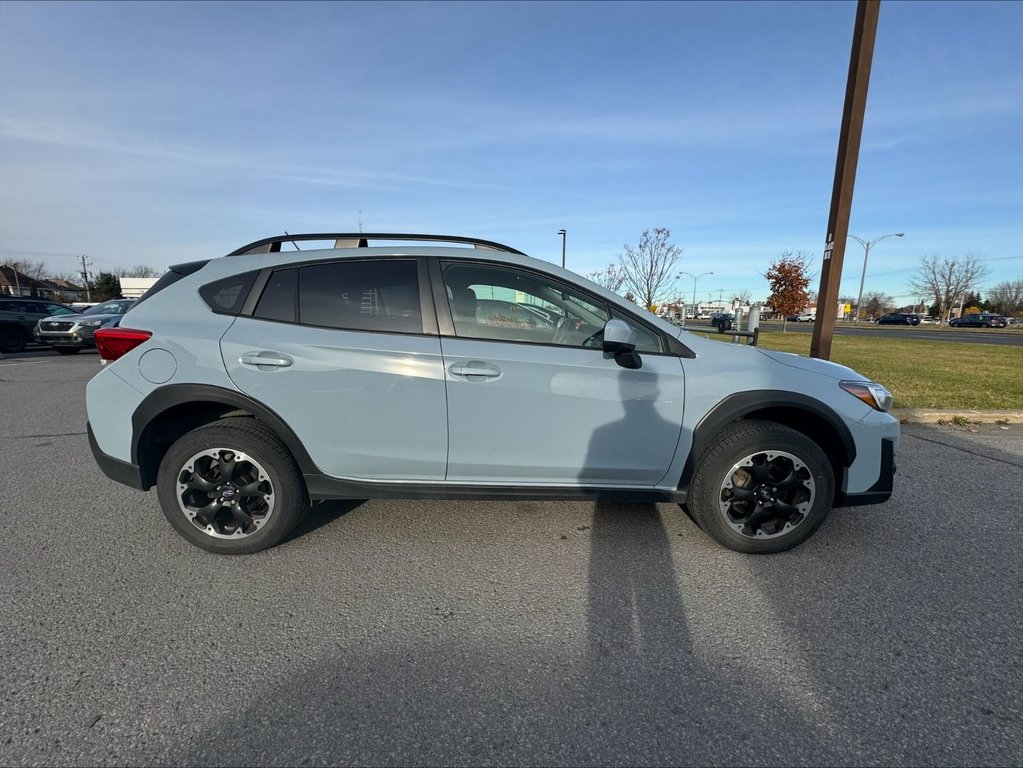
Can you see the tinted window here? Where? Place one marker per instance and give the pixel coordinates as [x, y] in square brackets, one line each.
[226, 296]
[278, 299]
[361, 296]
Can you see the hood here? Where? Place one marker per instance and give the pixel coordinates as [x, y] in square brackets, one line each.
[104, 317]
[812, 365]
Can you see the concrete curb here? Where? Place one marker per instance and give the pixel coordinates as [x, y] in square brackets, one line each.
[933, 416]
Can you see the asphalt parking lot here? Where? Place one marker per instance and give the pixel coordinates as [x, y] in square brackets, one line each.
[445, 633]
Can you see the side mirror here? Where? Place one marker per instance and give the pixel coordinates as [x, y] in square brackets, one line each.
[619, 343]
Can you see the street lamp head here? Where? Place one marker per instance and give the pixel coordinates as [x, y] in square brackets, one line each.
[562, 232]
[900, 234]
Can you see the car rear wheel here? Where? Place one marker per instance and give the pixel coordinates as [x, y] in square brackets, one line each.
[231, 487]
[12, 339]
[761, 488]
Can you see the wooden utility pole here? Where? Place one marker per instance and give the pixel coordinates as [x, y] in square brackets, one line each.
[845, 174]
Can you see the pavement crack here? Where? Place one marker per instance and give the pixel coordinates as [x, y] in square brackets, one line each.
[964, 450]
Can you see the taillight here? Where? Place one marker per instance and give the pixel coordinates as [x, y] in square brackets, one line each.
[112, 343]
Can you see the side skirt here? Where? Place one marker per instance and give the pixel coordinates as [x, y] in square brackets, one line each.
[323, 487]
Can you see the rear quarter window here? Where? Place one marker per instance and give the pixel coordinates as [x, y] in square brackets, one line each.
[226, 296]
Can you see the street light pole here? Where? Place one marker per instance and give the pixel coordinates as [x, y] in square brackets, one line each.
[564, 235]
[17, 281]
[695, 278]
[867, 245]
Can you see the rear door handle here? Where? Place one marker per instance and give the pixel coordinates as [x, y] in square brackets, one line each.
[475, 368]
[265, 359]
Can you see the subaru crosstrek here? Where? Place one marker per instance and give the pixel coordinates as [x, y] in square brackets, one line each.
[246, 388]
[71, 334]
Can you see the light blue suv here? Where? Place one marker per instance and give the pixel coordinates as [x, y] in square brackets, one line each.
[247, 387]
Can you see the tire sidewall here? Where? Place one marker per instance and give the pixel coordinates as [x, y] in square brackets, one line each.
[289, 501]
[735, 443]
[12, 339]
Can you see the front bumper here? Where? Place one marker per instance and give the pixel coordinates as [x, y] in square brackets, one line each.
[120, 471]
[74, 338]
[880, 491]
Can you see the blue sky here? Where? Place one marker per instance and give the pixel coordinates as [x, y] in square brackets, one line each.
[159, 133]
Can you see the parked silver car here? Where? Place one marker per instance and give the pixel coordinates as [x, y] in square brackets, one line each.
[69, 334]
[246, 387]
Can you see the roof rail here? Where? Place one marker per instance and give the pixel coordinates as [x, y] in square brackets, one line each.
[361, 240]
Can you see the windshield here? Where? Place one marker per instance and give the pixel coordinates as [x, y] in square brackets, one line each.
[115, 307]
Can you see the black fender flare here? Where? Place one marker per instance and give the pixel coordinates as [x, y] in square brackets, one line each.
[160, 400]
[742, 404]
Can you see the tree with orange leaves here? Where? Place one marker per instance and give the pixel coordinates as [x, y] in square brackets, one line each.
[788, 279]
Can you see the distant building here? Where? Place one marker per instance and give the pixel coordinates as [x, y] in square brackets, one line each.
[68, 291]
[16, 283]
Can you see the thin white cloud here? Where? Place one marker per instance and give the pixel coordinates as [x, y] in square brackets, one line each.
[91, 136]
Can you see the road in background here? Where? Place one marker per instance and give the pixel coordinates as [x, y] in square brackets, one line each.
[458, 633]
[921, 332]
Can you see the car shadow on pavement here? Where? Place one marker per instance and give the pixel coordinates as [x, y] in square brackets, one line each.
[321, 514]
[626, 686]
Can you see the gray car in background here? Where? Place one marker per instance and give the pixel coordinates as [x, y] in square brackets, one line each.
[69, 334]
[245, 388]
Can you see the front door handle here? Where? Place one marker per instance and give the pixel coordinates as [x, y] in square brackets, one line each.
[475, 368]
[265, 359]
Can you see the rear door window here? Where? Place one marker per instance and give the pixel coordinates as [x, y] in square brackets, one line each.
[372, 295]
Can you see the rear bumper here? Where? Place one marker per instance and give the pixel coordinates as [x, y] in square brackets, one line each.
[115, 469]
[880, 491]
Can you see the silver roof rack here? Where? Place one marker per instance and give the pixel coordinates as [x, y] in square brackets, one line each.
[362, 240]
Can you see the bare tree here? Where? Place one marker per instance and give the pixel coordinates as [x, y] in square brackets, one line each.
[946, 279]
[138, 271]
[37, 270]
[70, 276]
[877, 303]
[1007, 298]
[650, 268]
[742, 296]
[610, 277]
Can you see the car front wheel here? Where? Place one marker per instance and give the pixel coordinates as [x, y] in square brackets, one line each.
[761, 488]
[231, 487]
[12, 339]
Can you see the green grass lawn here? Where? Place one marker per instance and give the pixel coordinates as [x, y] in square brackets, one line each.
[924, 374]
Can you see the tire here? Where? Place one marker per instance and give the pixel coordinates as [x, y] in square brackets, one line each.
[788, 478]
[264, 500]
[12, 339]
[68, 350]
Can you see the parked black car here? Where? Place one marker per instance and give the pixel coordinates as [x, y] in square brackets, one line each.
[19, 315]
[722, 321]
[899, 318]
[980, 320]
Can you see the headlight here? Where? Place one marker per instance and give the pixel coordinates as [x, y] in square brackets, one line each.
[872, 394]
[90, 323]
